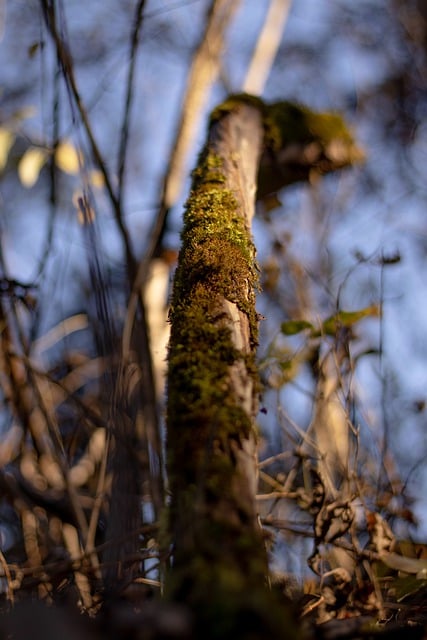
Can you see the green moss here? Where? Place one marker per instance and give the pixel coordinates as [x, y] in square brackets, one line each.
[208, 169]
[291, 123]
[217, 250]
[216, 262]
[199, 405]
[233, 101]
[300, 144]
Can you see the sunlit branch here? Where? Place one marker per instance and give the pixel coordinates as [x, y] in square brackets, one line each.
[267, 46]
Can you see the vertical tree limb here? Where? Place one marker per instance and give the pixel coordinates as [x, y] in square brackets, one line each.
[219, 560]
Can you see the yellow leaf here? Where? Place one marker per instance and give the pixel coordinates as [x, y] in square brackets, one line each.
[67, 158]
[96, 178]
[30, 165]
[7, 138]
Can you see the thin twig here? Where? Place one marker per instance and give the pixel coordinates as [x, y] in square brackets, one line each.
[124, 137]
[9, 588]
[53, 179]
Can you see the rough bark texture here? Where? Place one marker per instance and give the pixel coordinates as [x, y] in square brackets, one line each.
[219, 559]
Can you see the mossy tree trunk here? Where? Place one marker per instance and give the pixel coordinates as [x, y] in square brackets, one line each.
[219, 559]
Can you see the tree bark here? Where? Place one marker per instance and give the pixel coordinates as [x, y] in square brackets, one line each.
[219, 565]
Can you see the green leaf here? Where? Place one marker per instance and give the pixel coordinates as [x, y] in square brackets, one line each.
[346, 319]
[286, 365]
[292, 327]
[407, 586]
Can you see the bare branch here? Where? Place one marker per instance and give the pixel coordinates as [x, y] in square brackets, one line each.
[129, 95]
[267, 46]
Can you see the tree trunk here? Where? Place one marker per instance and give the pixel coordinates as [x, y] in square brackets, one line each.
[219, 559]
